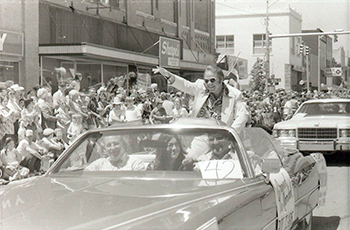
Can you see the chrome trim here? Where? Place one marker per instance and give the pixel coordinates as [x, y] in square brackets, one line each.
[271, 222]
[208, 224]
[296, 202]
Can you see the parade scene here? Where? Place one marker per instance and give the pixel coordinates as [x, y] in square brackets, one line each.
[221, 115]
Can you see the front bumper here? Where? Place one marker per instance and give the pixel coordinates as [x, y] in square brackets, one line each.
[316, 145]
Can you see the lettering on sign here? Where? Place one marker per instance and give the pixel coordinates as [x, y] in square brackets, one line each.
[170, 50]
[2, 41]
[220, 169]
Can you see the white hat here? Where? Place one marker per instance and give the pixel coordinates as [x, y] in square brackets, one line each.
[117, 101]
[15, 87]
[48, 132]
[29, 132]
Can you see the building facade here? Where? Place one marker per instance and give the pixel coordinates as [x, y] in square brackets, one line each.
[244, 35]
[320, 57]
[19, 26]
[106, 39]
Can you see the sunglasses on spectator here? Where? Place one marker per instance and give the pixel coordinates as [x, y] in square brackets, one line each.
[212, 80]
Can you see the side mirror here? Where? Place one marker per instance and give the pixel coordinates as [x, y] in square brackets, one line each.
[271, 166]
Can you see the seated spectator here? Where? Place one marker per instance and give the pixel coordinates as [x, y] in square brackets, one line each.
[11, 159]
[117, 157]
[31, 153]
[50, 144]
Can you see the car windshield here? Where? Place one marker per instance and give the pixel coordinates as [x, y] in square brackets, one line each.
[331, 108]
[216, 152]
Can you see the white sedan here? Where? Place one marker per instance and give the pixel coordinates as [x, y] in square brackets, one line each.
[321, 125]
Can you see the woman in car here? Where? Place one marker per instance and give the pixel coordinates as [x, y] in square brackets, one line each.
[169, 156]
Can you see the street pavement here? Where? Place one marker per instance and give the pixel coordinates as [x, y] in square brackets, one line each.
[335, 214]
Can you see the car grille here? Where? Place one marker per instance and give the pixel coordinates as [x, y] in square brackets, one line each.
[317, 133]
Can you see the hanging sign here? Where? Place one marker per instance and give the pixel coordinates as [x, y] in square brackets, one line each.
[169, 52]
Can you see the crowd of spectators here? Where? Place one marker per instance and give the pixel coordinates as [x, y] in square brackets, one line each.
[36, 126]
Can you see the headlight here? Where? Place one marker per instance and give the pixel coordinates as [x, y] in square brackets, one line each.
[343, 133]
[284, 133]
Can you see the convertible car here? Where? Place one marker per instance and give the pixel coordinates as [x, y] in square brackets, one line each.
[191, 174]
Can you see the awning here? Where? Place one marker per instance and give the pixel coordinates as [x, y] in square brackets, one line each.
[86, 52]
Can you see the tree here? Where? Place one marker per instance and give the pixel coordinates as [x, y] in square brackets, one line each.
[258, 81]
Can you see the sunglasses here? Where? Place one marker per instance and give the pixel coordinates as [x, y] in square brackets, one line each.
[212, 80]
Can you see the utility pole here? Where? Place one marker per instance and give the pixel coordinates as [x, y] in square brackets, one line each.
[267, 64]
[307, 69]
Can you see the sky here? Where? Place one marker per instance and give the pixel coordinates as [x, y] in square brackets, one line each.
[328, 15]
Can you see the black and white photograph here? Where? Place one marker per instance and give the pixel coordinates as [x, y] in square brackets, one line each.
[175, 114]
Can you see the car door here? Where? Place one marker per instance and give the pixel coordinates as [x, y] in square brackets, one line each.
[259, 146]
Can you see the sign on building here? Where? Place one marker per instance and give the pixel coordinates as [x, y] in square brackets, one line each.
[333, 72]
[143, 80]
[11, 43]
[169, 52]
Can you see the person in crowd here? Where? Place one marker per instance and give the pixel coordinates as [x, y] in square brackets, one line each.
[75, 127]
[76, 81]
[60, 138]
[117, 158]
[103, 104]
[30, 118]
[46, 108]
[117, 114]
[13, 104]
[31, 153]
[50, 144]
[11, 159]
[213, 98]
[132, 112]
[179, 110]
[64, 118]
[168, 105]
[59, 96]
[158, 114]
[290, 106]
[7, 118]
[94, 119]
[75, 104]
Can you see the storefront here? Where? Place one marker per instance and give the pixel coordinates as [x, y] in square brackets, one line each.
[11, 54]
[98, 64]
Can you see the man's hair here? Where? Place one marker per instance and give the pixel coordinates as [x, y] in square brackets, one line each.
[215, 70]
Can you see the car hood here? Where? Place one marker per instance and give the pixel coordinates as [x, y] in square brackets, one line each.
[305, 121]
[101, 202]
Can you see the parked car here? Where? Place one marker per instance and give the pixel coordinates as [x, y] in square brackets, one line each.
[135, 177]
[321, 125]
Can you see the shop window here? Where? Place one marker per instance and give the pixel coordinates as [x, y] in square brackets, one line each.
[9, 71]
